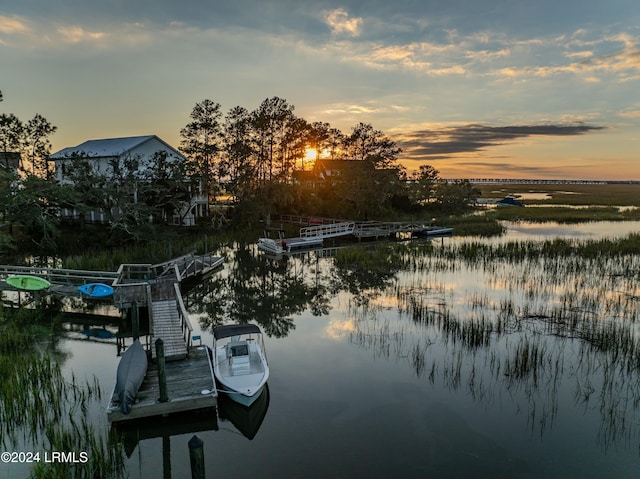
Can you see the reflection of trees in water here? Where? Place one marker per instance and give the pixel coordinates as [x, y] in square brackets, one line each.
[528, 332]
[365, 272]
[271, 291]
[255, 287]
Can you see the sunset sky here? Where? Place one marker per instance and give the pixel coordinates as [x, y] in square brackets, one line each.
[484, 88]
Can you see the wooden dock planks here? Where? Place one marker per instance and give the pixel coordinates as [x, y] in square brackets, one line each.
[186, 381]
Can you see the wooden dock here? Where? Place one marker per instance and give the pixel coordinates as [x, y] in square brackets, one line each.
[150, 294]
[190, 383]
[335, 228]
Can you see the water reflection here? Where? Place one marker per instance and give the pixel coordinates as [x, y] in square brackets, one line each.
[536, 335]
[164, 427]
[484, 358]
[247, 420]
[272, 291]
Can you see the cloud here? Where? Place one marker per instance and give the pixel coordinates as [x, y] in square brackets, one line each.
[616, 56]
[340, 22]
[445, 142]
[630, 114]
[12, 25]
[77, 34]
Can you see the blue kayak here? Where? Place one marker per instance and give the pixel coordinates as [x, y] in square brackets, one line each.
[96, 290]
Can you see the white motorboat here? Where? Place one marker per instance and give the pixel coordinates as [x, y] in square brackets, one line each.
[239, 361]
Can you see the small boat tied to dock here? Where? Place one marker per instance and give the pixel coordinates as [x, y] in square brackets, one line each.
[239, 362]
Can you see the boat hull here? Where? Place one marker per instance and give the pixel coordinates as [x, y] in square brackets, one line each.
[28, 282]
[240, 398]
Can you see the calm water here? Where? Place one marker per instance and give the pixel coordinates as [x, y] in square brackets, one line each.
[377, 372]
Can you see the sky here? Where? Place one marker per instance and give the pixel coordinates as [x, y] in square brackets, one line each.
[476, 88]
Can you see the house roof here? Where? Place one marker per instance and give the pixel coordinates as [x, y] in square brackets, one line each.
[108, 147]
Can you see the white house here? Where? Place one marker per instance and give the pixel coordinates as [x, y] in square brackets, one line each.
[110, 153]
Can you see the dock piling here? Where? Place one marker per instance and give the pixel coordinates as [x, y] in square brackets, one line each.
[196, 457]
[135, 321]
[162, 375]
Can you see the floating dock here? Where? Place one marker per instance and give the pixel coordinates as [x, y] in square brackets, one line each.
[190, 383]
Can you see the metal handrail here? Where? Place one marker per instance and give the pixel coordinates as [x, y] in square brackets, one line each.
[185, 323]
[325, 231]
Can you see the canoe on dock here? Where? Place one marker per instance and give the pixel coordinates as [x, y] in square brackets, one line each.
[131, 372]
[190, 383]
[28, 282]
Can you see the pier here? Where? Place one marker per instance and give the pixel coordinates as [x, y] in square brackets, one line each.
[151, 306]
[315, 228]
[190, 383]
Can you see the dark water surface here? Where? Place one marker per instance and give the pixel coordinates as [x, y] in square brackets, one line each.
[413, 363]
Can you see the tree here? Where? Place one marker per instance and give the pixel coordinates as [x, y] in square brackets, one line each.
[34, 204]
[367, 144]
[37, 145]
[294, 145]
[86, 190]
[31, 140]
[11, 133]
[335, 142]
[201, 143]
[164, 188]
[270, 121]
[456, 196]
[423, 186]
[238, 152]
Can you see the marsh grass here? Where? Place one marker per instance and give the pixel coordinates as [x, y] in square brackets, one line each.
[41, 408]
[473, 225]
[542, 318]
[570, 194]
[564, 214]
[109, 259]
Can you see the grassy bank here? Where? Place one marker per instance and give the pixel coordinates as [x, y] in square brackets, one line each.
[564, 214]
[569, 194]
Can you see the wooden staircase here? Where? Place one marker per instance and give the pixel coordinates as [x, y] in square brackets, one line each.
[166, 326]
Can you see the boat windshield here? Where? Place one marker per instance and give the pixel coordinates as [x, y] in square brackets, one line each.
[235, 330]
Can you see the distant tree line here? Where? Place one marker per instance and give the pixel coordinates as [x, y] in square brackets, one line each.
[251, 157]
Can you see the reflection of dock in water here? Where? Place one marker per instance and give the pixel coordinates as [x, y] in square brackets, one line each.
[133, 432]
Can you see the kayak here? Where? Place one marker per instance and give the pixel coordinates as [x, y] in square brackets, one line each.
[131, 372]
[28, 282]
[96, 290]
